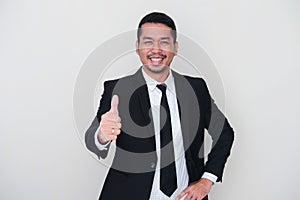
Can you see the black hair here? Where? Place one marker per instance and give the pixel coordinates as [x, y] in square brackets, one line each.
[157, 17]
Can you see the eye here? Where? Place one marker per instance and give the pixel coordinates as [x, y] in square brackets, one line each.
[148, 42]
[165, 42]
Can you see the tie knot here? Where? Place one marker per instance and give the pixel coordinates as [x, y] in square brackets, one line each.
[162, 87]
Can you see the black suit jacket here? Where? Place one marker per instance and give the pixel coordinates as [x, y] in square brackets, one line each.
[132, 171]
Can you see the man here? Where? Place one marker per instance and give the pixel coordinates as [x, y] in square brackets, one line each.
[157, 118]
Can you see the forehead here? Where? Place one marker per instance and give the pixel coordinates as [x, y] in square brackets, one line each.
[155, 30]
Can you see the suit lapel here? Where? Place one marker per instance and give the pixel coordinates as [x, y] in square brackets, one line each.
[183, 105]
[189, 111]
[143, 95]
[143, 102]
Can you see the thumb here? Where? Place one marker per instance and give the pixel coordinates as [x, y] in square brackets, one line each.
[114, 105]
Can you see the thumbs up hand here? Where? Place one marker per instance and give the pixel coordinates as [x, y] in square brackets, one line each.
[110, 124]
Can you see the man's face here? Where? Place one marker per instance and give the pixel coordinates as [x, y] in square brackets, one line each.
[156, 48]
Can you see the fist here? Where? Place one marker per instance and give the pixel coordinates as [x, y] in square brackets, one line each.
[110, 124]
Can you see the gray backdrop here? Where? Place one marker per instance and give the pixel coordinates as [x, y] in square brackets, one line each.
[254, 45]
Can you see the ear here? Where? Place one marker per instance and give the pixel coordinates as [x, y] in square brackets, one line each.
[176, 48]
[137, 47]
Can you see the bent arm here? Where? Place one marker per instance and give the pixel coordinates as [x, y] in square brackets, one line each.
[222, 136]
[105, 104]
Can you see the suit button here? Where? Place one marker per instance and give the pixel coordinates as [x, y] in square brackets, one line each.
[152, 165]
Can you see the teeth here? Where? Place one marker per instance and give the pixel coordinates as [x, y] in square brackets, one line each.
[156, 59]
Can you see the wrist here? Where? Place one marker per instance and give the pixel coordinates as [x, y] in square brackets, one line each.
[101, 138]
[206, 181]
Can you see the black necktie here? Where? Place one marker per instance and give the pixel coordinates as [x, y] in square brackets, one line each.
[168, 179]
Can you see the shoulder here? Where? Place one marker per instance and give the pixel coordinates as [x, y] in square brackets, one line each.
[113, 82]
[195, 80]
[122, 85]
[191, 79]
[197, 83]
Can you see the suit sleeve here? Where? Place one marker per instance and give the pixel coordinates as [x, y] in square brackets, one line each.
[222, 136]
[103, 108]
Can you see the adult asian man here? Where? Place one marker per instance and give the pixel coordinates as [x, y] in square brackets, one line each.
[157, 118]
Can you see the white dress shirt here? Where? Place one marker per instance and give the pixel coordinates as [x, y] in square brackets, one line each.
[181, 169]
[179, 152]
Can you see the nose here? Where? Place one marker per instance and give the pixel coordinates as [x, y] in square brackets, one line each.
[156, 47]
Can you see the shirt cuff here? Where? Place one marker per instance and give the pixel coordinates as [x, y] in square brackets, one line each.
[100, 146]
[210, 177]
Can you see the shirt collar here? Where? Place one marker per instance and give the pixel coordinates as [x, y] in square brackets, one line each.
[151, 83]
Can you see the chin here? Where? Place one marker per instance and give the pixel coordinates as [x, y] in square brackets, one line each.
[157, 69]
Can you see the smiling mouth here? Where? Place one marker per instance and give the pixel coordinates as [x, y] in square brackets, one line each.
[156, 59]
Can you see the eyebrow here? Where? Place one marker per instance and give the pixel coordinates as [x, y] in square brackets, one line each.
[165, 38]
[150, 38]
[147, 38]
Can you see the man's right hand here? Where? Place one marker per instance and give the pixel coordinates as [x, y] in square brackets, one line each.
[110, 124]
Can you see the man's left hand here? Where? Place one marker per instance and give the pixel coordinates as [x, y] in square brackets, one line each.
[197, 190]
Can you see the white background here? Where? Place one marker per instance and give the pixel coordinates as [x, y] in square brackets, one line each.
[254, 44]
